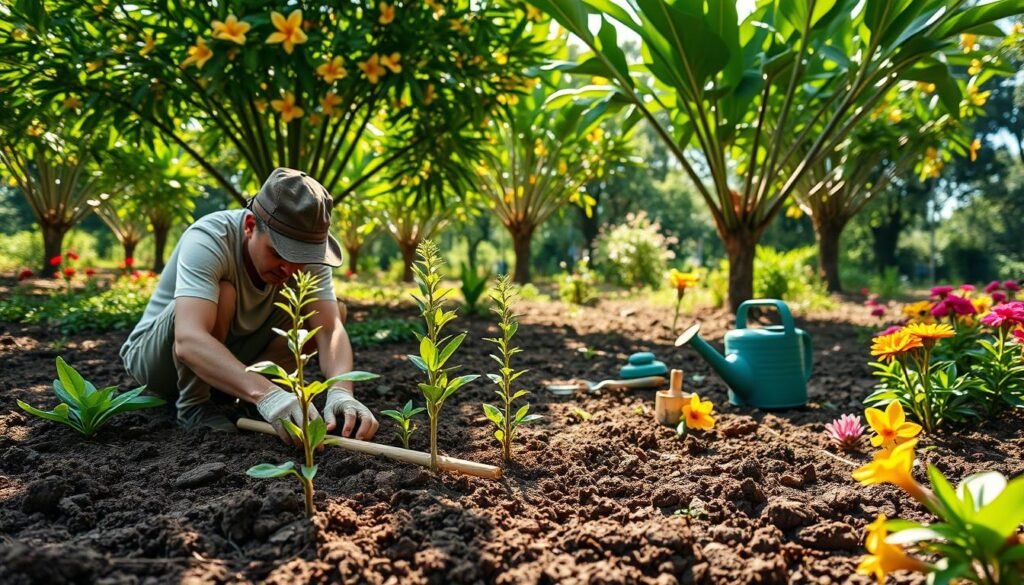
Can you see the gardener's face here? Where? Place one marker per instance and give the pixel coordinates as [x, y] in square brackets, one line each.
[270, 266]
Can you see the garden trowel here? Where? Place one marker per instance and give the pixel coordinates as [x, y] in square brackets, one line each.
[572, 386]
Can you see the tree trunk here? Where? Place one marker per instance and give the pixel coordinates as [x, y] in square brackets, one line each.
[129, 249]
[408, 250]
[160, 245]
[53, 245]
[886, 237]
[740, 247]
[828, 231]
[590, 226]
[521, 238]
[353, 258]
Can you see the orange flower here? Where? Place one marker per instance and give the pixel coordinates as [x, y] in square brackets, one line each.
[929, 333]
[72, 103]
[697, 413]
[150, 44]
[289, 31]
[329, 102]
[888, 347]
[198, 53]
[429, 95]
[387, 13]
[975, 147]
[885, 558]
[332, 70]
[391, 62]
[371, 69]
[231, 29]
[286, 105]
[891, 427]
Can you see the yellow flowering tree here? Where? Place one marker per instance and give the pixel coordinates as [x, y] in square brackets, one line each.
[281, 84]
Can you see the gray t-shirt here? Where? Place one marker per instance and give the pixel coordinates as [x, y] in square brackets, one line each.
[210, 251]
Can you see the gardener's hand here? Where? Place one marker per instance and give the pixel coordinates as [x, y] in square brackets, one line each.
[278, 405]
[340, 401]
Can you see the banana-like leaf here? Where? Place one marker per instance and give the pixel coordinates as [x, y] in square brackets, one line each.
[268, 470]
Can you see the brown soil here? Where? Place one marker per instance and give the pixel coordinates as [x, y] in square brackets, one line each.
[762, 498]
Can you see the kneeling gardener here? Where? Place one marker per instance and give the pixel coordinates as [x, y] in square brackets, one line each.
[213, 311]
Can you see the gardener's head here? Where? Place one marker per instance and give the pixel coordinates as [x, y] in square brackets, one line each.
[289, 226]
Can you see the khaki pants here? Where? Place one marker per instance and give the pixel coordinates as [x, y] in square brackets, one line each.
[151, 359]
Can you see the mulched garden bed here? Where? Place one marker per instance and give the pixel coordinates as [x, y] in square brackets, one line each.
[762, 498]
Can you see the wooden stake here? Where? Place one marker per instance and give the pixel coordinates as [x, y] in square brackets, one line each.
[397, 453]
[668, 404]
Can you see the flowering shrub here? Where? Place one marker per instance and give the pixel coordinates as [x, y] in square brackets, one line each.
[635, 253]
[975, 539]
[579, 286]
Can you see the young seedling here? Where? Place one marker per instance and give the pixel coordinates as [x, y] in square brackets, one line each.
[504, 418]
[83, 407]
[312, 433]
[433, 356]
[473, 285]
[404, 419]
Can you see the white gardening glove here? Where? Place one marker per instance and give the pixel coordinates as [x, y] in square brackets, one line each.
[278, 404]
[341, 402]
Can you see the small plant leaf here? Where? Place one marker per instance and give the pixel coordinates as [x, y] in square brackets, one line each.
[317, 430]
[309, 472]
[418, 362]
[450, 349]
[353, 376]
[428, 352]
[292, 428]
[268, 368]
[495, 378]
[493, 414]
[398, 416]
[54, 415]
[268, 470]
[984, 488]
[500, 435]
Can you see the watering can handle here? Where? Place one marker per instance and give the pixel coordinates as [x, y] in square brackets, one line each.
[808, 354]
[787, 317]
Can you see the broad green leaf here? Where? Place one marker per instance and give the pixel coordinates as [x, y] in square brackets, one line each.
[268, 470]
[398, 416]
[72, 381]
[493, 414]
[431, 393]
[975, 16]
[947, 497]
[292, 428]
[495, 378]
[54, 415]
[309, 472]
[521, 412]
[317, 430]
[353, 376]
[450, 349]
[984, 488]
[268, 368]
[1004, 514]
[429, 353]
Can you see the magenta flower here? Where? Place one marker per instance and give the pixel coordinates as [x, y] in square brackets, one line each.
[1011, 285]
[953, 304]
[941, 291]
[878, 311]
[889, 331]
[967, 288]
[845, 431]
[1010, 314]
[992, 287]
[1018, 334]
[998, 297]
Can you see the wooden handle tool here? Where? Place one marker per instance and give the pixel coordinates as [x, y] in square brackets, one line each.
[397, 453]
[668, 404]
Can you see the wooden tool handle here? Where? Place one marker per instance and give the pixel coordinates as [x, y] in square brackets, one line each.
[676, 388]
[397, 453]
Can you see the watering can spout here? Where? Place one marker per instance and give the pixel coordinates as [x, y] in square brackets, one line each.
[732, 368]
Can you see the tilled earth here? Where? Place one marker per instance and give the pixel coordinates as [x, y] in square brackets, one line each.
[613, 498]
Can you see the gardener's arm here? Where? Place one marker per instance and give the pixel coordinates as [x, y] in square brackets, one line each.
[335, 353]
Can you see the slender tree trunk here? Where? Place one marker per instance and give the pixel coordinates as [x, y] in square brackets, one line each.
[408, 250]
[353, 258]
[160, 245]
[53, 245]
[129, 248]
[521, 239]
[886, 237]
[740, 247]
[828, 230]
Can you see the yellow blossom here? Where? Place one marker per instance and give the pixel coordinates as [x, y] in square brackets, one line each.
[72, 103]
[436, 7]
[982, 305]
[329, 102]
[539, 148]
[976, 97]
[895, 115]
[562, 167]
[697, 413]
[501, 57]
[1017, 27]
[150, 44]
[891, 427]
[198, 53]
[371, 68]
[286, 106]
[429, 94]
[975, 147]
[884, 558]
[534, 13]
[681, 280]
[392, 62]
[260, 105]
[231, 29]
[94, 65]
[332, 70]
[459, 26]
[920, 312]
[925, 87]
[794, 212]
[508, 99]
[890, 466]
[929, 333]
[888, 347]
[35, 130]
[968, 41]
[289, 31]
[387, 13]
[19, 34]
[975, 67]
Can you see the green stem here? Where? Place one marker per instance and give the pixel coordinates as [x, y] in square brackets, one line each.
[926, 384]
[307, 492]
[433, 440]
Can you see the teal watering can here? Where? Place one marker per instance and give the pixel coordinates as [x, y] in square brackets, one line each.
[767, 367]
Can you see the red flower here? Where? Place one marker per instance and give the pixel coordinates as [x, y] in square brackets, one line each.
[129, 262]
[998, 297]
[941, 291]
[1018, 334]
[25, 273]
[90, 272]
[150, 274]
[56, 260]
[69, 272]
[72, 255]
[136, 274]
[1011, 285]
[56, 274]
[878, 311]
[954, 304]
[992, 287]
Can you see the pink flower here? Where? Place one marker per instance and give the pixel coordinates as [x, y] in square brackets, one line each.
[941, 291]
[1011, 285]
[25, 273]
[864, 291]
[967, 288]
[889, 331]
[1009, 314]
[878, 311]
[845, 431]
[992, 287]
[953, 304]
[1018, 334]
[998, 297]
